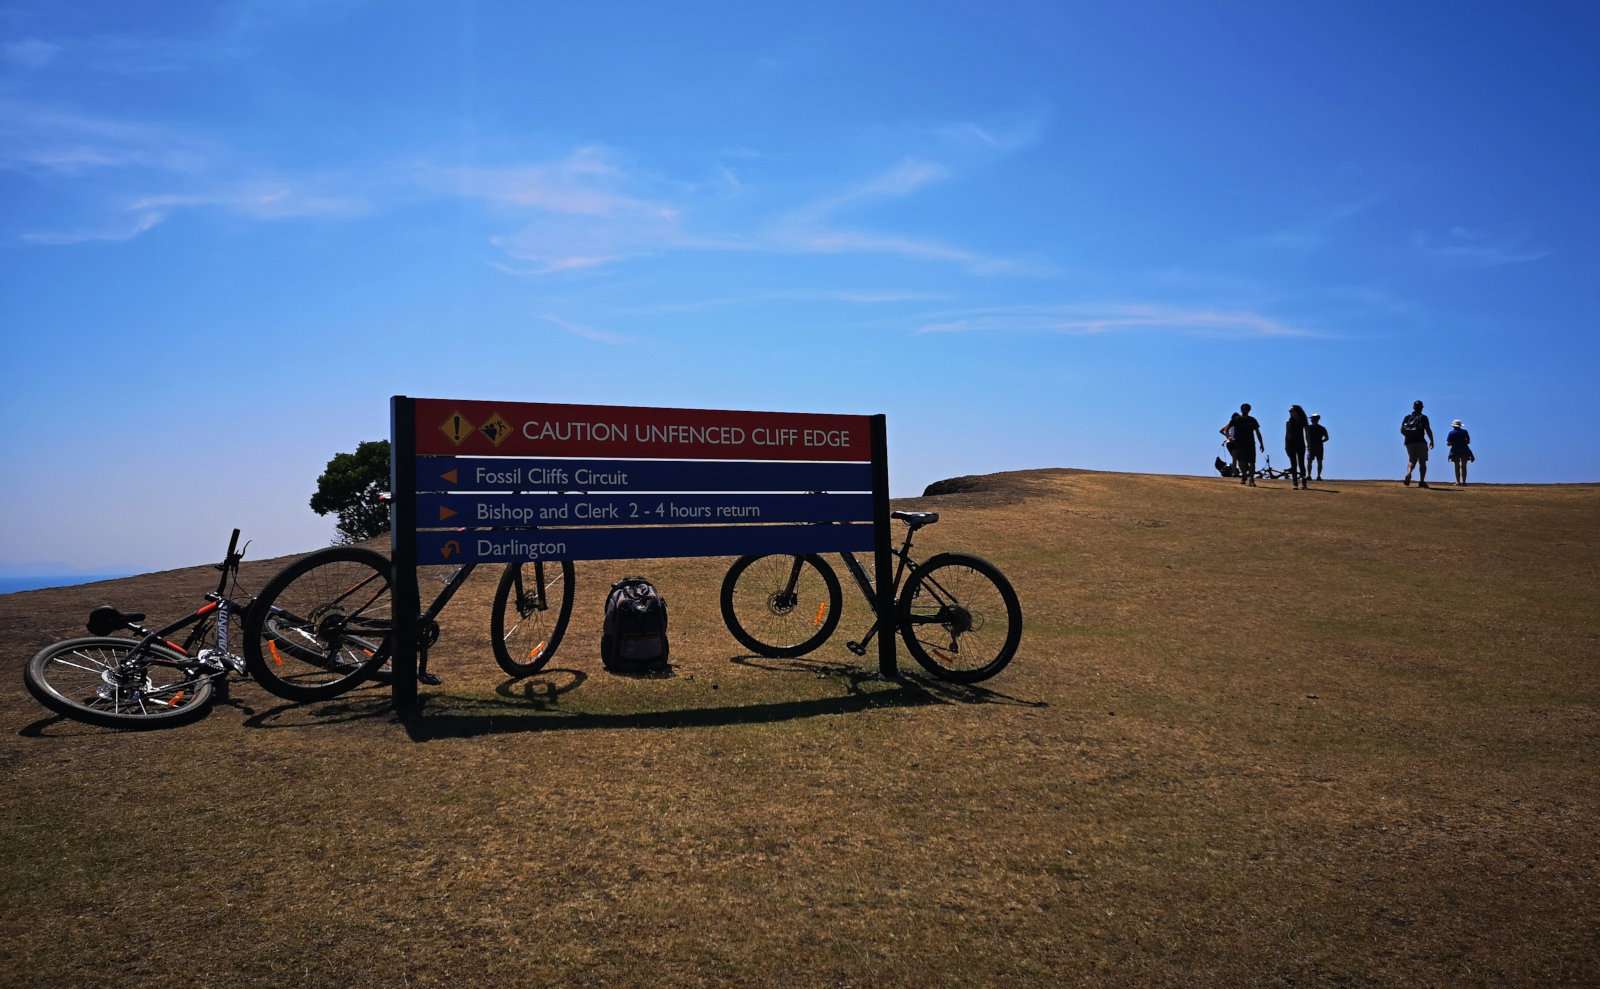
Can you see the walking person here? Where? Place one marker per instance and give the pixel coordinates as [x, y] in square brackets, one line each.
[1459, 441]
[1246, 437]
[1418, 434]
[1316, 435]
[1294, 444]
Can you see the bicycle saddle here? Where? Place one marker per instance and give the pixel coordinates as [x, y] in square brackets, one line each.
[916, 520]
[105, 619]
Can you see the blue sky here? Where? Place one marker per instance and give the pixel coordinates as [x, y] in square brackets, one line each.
[1043, 235]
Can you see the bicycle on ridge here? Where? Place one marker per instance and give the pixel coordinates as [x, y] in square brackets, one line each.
[324, 623]
[115, 681]
[948, 610]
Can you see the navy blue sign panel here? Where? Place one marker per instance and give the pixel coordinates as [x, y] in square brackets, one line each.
[502, 510]
[454, 547]
[537, 474]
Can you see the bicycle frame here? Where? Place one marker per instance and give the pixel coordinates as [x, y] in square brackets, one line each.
[903, 562]
[217, 602]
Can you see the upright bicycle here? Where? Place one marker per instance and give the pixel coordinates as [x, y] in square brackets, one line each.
[957, 614]
[325, 623]
[145, 681]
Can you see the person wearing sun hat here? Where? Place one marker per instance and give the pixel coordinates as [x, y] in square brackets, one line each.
[1316, 435]
[1459, 440]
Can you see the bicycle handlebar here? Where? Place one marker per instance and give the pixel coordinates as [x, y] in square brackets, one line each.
[230, 562]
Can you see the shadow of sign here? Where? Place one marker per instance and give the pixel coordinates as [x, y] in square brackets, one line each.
[440, 723]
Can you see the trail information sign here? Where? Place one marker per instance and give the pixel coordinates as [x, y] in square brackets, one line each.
[511, 482]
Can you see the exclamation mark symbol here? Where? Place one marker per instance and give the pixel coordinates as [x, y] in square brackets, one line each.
[457, 421]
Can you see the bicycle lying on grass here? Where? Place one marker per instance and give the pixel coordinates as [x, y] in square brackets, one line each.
[324, 623]
[948, 610]
[149, 682]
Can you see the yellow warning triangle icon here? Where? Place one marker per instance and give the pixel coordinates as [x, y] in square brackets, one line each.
[446, 512]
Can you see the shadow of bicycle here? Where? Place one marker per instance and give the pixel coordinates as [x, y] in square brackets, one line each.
[854, 677]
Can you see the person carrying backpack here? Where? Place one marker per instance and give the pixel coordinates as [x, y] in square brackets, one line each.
[1246, 437]
[1418, 434]
[1459, 441]
[1316, 435]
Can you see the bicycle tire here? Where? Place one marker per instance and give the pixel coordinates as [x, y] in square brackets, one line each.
[924, 652]
[191, 703]
[279, 634]
[542, 651]
[266, 666]
[824, 624]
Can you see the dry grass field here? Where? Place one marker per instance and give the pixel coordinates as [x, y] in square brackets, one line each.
[1346, 736]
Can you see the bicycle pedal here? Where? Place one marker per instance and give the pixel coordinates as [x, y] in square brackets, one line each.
[430, 679]
[856, 647]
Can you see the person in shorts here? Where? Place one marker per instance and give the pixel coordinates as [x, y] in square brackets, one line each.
[1418, 434]
[1246, 437]
[1460, 443]
[1316, 435]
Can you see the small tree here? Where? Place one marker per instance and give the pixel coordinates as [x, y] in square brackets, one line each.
[350, 486]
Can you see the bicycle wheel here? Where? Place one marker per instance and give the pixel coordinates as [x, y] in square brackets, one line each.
[528, 619]
[90, 680]
[285, 636]
[950, 612]
[322, 625]
[781, 606]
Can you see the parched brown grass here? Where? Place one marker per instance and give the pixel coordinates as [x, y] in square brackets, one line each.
[1345, 736]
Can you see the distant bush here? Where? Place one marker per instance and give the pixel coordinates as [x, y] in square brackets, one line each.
[350, 486]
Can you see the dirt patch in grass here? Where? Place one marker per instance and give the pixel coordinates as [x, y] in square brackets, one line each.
[1252, 737]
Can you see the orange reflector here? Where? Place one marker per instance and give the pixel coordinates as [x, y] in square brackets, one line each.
[177, 699]
[822, 609]
[536, 650]
[272, 647]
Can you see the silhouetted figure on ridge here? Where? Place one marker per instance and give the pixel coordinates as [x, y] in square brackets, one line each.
[1459, 441]
[1418, 434]
[1246, 437]
[1294, 444]
[1316, 435]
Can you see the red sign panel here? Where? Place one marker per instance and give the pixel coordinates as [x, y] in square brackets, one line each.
[537, 429]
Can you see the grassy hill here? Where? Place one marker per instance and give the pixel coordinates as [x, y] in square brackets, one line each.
[1341, 736]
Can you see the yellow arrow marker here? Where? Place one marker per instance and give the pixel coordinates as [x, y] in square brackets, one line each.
[449, 476]
[446, 513]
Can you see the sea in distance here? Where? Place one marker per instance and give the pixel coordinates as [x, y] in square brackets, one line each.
[10, 584]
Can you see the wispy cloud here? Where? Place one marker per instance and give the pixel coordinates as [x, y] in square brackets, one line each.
[903, 179]
[585, 332]
[262, 200]
[864, 298]
[1477, 248]
[587, 182]
[592, 212]
[1087, 318]
[815, 228]
[1003, 134]
[45, 138]
[126, 229]
[1315, 230]
[29, 53]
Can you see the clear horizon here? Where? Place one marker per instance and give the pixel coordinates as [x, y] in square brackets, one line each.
[1035, 237]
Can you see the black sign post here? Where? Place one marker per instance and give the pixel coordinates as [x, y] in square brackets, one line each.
[883, 579]
[406, 601]
[482, 468]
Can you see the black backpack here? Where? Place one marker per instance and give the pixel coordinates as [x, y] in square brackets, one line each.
[634, 636]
